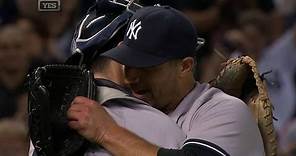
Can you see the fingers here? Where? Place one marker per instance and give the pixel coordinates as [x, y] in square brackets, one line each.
[80, 107]
[78, 119]
[73, 115]
[75, 125]
[77, 107]
[83, 100]
[89, 118]
[79, 112]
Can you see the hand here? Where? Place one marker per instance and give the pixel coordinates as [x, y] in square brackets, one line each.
[90, 119]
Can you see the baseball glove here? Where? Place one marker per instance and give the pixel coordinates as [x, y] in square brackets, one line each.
[240, 78]
[51, 91]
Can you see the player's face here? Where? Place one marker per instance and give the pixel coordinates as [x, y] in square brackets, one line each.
[157, 85]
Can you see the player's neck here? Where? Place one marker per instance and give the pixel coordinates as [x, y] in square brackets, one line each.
[184, 88]
[112, 72]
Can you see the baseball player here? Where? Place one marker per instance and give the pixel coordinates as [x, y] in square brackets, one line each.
[157, 52]
[127, 111]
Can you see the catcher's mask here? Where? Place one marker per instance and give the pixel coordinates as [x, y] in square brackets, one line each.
[101, 29]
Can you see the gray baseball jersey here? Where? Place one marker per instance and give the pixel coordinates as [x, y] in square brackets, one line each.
[211, 118]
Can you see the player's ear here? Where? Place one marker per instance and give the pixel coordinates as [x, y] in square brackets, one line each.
[186, 65]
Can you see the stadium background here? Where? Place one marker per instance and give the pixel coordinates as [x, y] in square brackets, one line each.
[262, 29]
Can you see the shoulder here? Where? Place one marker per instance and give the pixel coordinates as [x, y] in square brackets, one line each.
[211, 103]
[222, 101]
[225, 121]
[220, 107]
[214, 100]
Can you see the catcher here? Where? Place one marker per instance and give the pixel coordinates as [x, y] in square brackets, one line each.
[158, 59]
[100, 30]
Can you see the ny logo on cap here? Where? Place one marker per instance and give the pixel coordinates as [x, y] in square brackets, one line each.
[134, 29]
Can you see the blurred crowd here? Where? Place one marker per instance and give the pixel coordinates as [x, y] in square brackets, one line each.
[262, 29]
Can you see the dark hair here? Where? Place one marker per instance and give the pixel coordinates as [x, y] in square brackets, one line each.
[100, 64]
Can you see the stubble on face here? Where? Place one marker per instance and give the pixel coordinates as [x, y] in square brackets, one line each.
[158, 86]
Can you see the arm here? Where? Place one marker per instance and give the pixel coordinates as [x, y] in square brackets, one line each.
[121, 142]
[93, 122]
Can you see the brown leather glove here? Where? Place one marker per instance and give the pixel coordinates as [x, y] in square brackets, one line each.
[240, 78]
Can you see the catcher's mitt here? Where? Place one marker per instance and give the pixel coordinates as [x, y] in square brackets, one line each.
[240, 78]
[51, 91]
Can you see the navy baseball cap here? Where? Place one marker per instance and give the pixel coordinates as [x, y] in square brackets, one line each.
[154, 35]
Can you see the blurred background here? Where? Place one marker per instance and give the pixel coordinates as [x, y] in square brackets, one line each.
[262, 29]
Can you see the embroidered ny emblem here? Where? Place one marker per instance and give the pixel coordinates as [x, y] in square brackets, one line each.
[134, 29]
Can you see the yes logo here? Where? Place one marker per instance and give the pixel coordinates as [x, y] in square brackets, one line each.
[49, 5]
[134, 29]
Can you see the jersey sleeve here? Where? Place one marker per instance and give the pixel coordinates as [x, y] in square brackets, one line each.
[194, 147]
